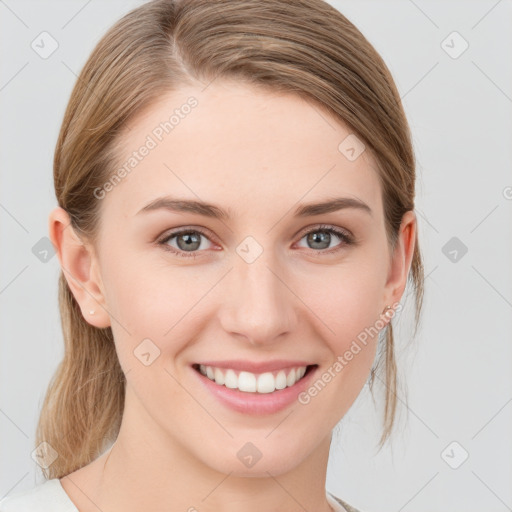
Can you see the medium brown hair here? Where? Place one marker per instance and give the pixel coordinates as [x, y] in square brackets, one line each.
[304, 47]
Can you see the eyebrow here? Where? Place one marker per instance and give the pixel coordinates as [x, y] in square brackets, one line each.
[216, 212]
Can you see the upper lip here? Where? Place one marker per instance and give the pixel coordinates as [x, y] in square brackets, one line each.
[255, 367]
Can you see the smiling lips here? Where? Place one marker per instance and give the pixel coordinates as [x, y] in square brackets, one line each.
[245, 381]
[255, 388]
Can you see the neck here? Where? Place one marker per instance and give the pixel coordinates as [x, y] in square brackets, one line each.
[172, 478]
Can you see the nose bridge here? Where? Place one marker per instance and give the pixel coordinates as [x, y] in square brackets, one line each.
[259, 306]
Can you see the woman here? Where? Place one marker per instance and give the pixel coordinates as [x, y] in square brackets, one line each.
[235, 229]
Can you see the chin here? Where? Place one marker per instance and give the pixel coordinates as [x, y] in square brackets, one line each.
[249, 461]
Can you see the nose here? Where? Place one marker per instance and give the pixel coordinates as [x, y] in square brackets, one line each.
[258, 304]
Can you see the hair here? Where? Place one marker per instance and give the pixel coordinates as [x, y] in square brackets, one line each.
[304, 47]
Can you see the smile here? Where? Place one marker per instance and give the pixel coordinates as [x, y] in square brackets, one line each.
[255, 388]
[249, 382]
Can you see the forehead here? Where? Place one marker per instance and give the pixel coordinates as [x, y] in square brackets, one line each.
[230, 141]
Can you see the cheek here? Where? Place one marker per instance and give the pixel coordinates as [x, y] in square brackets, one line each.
[153, 301]
[348, 308]
[349, 325]
[143, 291]
[348, 301]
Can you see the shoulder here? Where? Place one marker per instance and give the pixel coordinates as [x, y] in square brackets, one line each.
[337, 501]
[46, 497]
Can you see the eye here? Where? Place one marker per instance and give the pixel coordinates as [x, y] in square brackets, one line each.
[321, 237]
[188, 242]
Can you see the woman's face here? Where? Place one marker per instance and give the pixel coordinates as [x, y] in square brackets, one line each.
[251, 287]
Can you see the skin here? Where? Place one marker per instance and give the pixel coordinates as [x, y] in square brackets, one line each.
[259, 154]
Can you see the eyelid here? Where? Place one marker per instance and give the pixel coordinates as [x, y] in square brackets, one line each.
[328, 227]
[185, 229]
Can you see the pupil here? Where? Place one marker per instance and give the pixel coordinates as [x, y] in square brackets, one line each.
[190, 240]
[321, 237]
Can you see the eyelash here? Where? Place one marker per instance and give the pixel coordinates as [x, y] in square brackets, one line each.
[343, 235]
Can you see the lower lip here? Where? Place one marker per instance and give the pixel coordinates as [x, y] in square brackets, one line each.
[257, 403]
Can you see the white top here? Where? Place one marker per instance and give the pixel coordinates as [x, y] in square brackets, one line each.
[45, 497]
[50, 496]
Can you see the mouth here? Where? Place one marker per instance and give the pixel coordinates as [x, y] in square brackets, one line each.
[255, 383]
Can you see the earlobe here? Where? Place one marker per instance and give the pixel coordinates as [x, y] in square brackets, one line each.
[79, 266]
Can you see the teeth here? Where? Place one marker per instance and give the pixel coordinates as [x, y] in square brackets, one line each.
[231, 380]
[266, 383]
[281, 380]
[291, 378]
[251, 382]
[247, 382]
[219, 376]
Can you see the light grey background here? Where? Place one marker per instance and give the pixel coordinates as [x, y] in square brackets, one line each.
[458, 369]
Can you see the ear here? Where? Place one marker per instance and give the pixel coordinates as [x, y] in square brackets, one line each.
[401, 259]
[80, 267]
